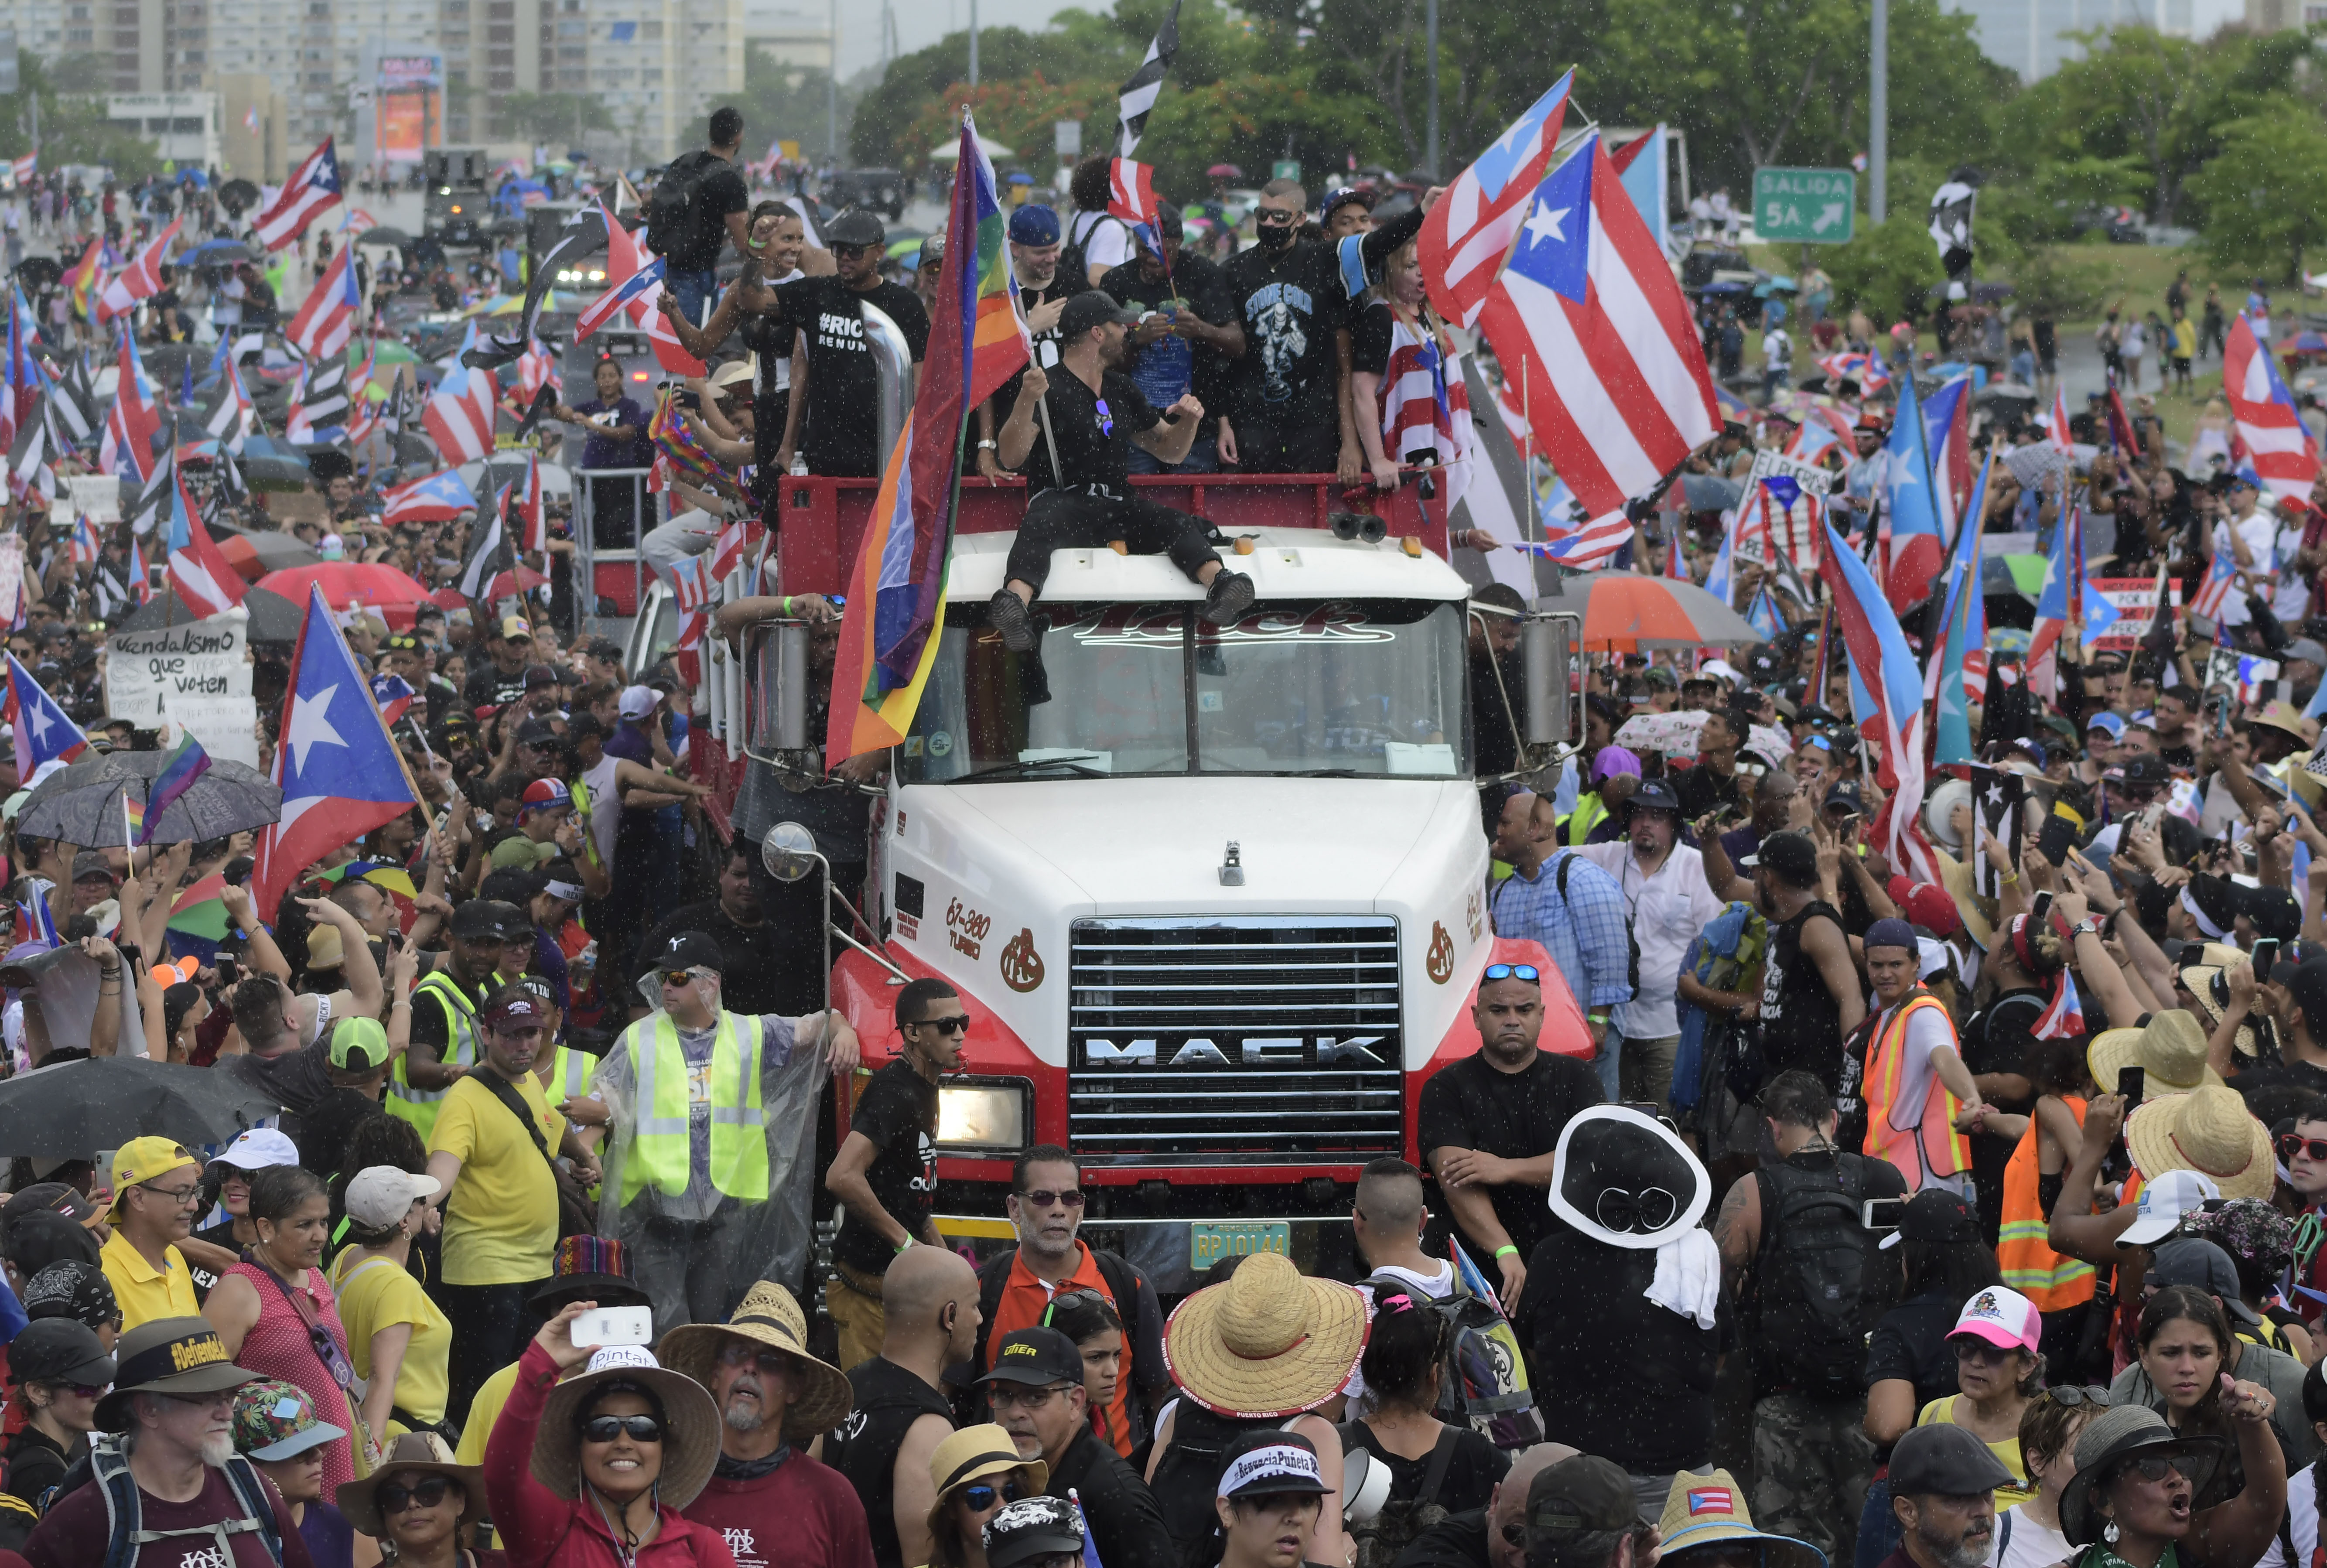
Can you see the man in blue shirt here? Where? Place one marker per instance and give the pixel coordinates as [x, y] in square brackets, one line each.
[1575, 908]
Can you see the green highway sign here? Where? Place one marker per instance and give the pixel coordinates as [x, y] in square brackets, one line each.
[1805, 206]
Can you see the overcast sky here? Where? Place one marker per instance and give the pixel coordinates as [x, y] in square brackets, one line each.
[921, 23]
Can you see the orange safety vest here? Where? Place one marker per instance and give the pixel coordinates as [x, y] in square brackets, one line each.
[1948, 1150]
[2054, 1281]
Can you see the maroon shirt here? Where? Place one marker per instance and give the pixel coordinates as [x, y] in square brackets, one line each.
[72, 1534]
[802, 1513]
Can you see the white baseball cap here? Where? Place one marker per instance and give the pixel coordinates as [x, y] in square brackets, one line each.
[637, 702]
[380, 1195]
[260, 1147]
[2164, 1202]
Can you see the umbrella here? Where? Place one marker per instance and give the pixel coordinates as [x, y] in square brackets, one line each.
[82, 804]
[948, 152]
[384, 235]
[66, 1111]
[1674, 734]
[256, 555]
[273, 618]
[1769, 743]
[269, 472]
[1709, 493]
[40, 270]
[236, 195]
[1724, 286]
[2304, 343]
[502, 586]
[1224, 172]
[349, 583]
[216, 253]
[1624, 612]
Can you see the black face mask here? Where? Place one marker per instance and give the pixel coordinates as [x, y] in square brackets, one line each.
[1276, 236]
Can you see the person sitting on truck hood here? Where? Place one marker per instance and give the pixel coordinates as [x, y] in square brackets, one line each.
[689, 1200]
[1075, 449]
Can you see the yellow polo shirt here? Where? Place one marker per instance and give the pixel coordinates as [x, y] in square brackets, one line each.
[143, 1293]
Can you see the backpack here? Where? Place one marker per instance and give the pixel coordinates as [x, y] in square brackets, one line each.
[1389, 1533]
[1188, 1476]
[1631, 941]
[1482, 1381]
[1812, 1305]
[675, 212]
[108, 1467]
[1071, 264]
[1123, 1284]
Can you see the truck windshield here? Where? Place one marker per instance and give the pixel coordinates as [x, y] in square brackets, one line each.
[1368, 687]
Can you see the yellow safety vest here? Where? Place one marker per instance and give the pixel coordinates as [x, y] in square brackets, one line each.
[569, 1076]
[419, 1105]
[659, 1145]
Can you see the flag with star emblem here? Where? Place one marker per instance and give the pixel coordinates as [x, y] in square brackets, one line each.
[1910, 529]
[43, 734]
[339, 773]
[1615, 380]
[1997, 795]
[1468, 233]
[1948, 691]
[2284, 457]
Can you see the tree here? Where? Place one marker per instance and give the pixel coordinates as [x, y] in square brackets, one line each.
[1888, 269]
[73, 124]
[2265, 194]
[877, 135]
[788, 103]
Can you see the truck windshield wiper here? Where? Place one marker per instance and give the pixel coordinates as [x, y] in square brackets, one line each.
[1020, 769]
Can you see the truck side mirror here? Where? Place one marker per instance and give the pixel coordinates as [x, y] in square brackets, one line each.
[776, 676]
[1546, 654]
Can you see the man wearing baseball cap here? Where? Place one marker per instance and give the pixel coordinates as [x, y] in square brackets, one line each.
[1585, 1512]
[491, 1152]
[1943, 1482]
[443, 1040]
[1044, 290]
[697, 1176]
[1072, 433]
[1036, 1387]
[157, 1189]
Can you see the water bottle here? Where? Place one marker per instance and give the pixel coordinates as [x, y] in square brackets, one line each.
[800, 465]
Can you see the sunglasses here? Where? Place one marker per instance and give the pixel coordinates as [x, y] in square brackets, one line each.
[679, 976]
[2156, 1466]
[1527, 972]
[87, 1390]
[1970, 1347]
[2292, 1144]
[2074, 1395]
[980, 1496]
[1023, 1398]
[394, 1497]
[840, 250]
[607, 1428]
[1043, 1198]
[959, 1024]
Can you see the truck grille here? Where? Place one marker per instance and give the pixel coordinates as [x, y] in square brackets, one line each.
[1273, 1040]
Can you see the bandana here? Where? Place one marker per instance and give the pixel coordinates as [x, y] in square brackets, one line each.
[569, 891]
[2213, 932]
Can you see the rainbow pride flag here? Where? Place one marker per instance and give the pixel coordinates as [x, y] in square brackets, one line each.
[187, 762]
[82, 280]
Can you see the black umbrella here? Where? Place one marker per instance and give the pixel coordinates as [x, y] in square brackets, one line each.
[273, 618]
[71, 1110]
[384, 235]
[275, 552]
[82, 804]
[40, 272]
[266, 473]
[237, 196]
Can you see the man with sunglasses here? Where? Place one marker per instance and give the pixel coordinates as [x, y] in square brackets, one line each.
[1037, 1390]
[709, 1111]
[886, 1173]
[1016, 1288]
[838, 398]
[156, 1190]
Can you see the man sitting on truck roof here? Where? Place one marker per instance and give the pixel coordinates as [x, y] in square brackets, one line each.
[1076, 466]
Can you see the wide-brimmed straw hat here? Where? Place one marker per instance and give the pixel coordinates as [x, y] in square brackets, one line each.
[2209, 992]
[2170, 1049]
[768, 1316]
[1271, 1342]
[2120, 1432]
[1700, 1510]
[2207, 1130]
[690, 1424]
[414, 1450]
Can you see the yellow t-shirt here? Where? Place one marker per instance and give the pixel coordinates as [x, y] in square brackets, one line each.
[1941, 1413]
[483, 1411]
[500, 1218]
[375, 1293]
[143, 1291]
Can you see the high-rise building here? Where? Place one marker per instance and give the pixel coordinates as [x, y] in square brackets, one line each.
[2034, 37]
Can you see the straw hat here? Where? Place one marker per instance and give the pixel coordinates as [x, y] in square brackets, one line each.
[414, 1450]
[2206, 1130]
[1271, 1342]
[768, 1316]
[1954, 875]
[690, 1424]
[1700, 1510]
[2170, 1048]
[2210, 991]
[983, 1451]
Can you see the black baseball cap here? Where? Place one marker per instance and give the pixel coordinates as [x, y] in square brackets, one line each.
[855, 226]
[1040, 1356]
[1582, 1493]
[479, 919]
[1268, 1462]
[1791, 855]
[1654, 795]
[690, 950]
[1944, 1461]
[1038, 1527]
[1093, 307]
[58, 1350]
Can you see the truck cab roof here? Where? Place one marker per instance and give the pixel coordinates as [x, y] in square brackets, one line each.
[1284, 563]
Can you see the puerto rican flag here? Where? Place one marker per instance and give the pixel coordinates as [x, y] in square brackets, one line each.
[641, 285]
[1588, 547]
[136, 418]
[1423, 405]
[690, 579]
[206, 582]
[2212, 594]
[2284, 457]
[1467, 235]
[460, 416]
[527, 505]
[2059, 432]
[23, 168]
[327, 318]
[1890, 712]
[231, 415]
[625, 261]
[86, 545]
[20, 371]
[1589, 312]
[537, 368]
[1864, 368]
[1947, 438]
[43, 734]
[437, 499]
[1910, 528]
[140, 280]
[2065, 1016]
[1130, 191]
[393, 695]
[734, 542]
[314, 187]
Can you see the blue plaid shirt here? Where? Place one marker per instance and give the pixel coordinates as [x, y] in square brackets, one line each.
[1584, 934]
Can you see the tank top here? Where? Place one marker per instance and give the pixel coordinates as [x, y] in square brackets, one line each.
[864, 1448]
[277, 1346]
[1800, 1025]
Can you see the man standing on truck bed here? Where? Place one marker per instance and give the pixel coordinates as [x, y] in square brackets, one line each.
[1077, 470]
[697, 207]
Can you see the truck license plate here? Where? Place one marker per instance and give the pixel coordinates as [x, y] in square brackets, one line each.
[1209, 1241]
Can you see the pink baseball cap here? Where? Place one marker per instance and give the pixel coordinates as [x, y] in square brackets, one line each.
[2001, 1317]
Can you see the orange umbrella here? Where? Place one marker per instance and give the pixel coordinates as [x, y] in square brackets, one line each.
[1624, 612]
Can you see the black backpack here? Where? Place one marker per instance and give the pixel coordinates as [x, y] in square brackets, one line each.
[1121, 1284]
[1813, 1301]
[676, 211]
[1073, 267]
[1382, 1538]
[1188, 1476]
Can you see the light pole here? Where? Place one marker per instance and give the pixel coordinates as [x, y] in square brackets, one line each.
[832, 89]
[1430, 158]
[973, 43]
[1878, 113]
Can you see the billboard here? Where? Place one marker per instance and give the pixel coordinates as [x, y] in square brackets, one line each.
[401, 73]
[405, 121]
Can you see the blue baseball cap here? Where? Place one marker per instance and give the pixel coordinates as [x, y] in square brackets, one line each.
[2109, 723]
[1034, 224]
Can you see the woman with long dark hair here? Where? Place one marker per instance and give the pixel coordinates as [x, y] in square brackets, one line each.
[2189, 1356]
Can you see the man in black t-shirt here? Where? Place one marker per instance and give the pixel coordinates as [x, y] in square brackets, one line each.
[1044, 290]
[886, 1173]
[1490, 1122]
[1088, 416]
[691, 264]
[840, 403]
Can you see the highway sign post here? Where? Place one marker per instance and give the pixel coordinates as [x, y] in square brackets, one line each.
[1808, 205]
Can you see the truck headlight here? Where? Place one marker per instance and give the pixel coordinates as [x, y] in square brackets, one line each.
[982, 1115]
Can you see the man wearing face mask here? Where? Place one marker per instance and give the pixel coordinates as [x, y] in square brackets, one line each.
[1293, 297]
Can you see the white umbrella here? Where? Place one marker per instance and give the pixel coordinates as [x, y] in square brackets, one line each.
[1674, 734]
[988, 144]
